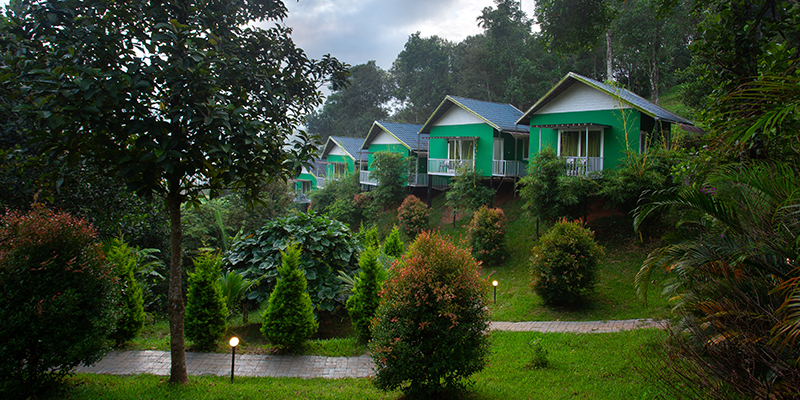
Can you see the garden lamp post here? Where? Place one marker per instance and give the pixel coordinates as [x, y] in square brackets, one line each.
[494, 283]
[234, 342]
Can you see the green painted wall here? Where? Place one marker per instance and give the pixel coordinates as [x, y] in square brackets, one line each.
[392, 148]
[306, 177]
[483, 147]
[351, 165]
[615, 141]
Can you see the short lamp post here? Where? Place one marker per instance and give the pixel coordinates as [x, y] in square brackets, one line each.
[494, 283]
[234, 342]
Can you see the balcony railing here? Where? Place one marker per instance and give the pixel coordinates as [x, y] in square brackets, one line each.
[508, 168]
[577, 166]
[365, 179]
[439, 166]
[418, 179]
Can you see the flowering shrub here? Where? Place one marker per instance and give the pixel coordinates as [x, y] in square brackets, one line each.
[564, 264]
[431, 328]
[413, 216]
[59, 298]
[487, 234]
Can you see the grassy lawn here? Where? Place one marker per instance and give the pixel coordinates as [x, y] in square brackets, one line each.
[591, 366]
[615, 295]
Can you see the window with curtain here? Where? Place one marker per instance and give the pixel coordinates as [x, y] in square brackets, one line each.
[461, 149]
[570, 141]
[576, 144]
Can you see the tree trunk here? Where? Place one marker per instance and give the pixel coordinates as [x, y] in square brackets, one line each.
[175, 295]
[609, 56]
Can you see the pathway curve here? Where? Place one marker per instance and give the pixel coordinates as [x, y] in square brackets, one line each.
[158, 362]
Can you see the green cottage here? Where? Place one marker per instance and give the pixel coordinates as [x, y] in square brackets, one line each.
[307, 181]
[403, 139]
[341, 156]
[467, 134]
[593, 124]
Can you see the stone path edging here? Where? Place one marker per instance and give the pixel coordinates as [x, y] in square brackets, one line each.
[158, 362]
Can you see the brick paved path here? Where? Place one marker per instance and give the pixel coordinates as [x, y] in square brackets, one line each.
[158, 362]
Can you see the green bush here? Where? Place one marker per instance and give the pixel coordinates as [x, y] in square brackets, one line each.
[467, 193]
[549, 193]
[391, 172]
[564, 264]
[59, 297]
[343, 201]
[289, 317]
[431, 328]
[487, 235]
[206, 311]
[131, 319]
[413, 216]
[328, 247]
[364, 301]
[234, 287]
[393, 246]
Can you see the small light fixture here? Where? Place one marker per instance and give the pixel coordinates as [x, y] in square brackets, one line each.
[494, 283]
[233, 342]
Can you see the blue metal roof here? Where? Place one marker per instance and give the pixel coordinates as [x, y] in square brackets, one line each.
[500, 116]
[630, 98]
[407, 134]
[350, 145]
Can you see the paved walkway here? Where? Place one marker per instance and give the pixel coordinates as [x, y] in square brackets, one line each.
[158, 362]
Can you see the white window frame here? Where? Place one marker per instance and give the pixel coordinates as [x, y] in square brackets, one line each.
[460, 144]
[582, 139]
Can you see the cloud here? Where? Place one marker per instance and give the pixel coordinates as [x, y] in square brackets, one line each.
[356, 31]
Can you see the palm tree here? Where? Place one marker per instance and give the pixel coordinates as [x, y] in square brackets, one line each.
[734, 277]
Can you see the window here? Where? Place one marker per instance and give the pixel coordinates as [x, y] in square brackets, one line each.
[577, 144]
[305, 186]
[461, 149]
[497, 152]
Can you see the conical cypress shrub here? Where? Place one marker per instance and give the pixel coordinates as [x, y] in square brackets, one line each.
[206, 311]
[289, 318]
[364, 301]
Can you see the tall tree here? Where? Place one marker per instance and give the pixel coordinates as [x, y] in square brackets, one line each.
[574, 25]
[649, 44]
[423, 76]
[352, 110]
[176, 99]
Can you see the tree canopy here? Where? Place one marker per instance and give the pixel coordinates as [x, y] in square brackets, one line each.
[175, 99]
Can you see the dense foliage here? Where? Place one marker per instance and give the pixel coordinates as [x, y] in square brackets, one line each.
[327, 248]
[393, 246]
[178, 100]
[125, 260]
[59, 297]
[467, 192]
[289, 318]
[413, 216]
[364, 301]
[234, 287]
[431, 328]
[640, 173]
[564, 264]
[206, 311]
[343, 201]
[487, 235]
[734, 279]
[391, 172]
[549, 193]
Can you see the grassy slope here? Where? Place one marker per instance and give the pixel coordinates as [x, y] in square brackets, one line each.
[615, 296]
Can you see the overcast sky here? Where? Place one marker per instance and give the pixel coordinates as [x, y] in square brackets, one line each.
[357, 31]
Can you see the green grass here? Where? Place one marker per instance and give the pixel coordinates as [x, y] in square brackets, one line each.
[589, 366]
[615, 295]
